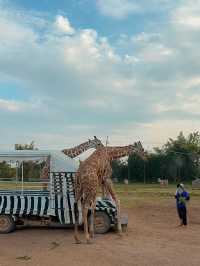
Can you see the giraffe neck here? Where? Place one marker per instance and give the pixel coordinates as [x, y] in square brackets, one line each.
[118, 152]
[77, 150]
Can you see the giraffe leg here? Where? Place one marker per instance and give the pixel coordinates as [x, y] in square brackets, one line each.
[119, 226]
[103, 191]
[76, 214]
[85, 220]
[91, 226]
[109, 188]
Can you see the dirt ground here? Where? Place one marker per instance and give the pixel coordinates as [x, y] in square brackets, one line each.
[152, 238]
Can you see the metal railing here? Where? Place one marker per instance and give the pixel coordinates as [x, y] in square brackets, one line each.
[23, 185]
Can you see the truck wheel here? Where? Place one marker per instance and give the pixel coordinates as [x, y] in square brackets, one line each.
[101, 222]
[7, 224]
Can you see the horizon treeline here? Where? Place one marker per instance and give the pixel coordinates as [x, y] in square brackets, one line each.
[177, 160]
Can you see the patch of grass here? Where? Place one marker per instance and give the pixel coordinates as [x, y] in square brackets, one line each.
[136, 194]
[25, 258]
[54, 245]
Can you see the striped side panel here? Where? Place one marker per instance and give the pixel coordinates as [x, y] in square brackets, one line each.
[62, 211]
[57, 207]
[71, 212]
[39, 206]
[35, 205]
[43, 202]
[3, 204]
[12, 202]
[46, 206]
[66, 210]
[24, 205]
[108, 207]
[15, 204]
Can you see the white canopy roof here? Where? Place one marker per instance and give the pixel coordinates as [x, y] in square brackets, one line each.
[59, 162]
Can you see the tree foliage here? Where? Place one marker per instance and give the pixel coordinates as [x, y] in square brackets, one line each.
[6, 171]
[31, 170]
[177, 160]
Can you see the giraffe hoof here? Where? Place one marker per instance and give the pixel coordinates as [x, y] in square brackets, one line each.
[89, 241]
[120, 234]
[92, 235]
[78, 242]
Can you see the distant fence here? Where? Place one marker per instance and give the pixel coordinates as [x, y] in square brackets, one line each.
[196, 183]
[163, 182]
[6, 184]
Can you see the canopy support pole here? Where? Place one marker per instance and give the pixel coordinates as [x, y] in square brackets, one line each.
[22, 187]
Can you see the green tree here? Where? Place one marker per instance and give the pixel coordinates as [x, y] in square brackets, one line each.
[120, 170]
[31, 169]
[136, 168]
[6, 171]
[177, 160]
[183, 154]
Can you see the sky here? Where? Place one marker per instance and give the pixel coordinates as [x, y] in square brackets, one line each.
[72, 69]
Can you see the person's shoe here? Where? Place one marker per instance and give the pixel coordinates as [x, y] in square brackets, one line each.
[181, 224]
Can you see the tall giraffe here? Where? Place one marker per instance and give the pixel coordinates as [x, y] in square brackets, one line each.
[72, 153]
[107, 171]
[77, 150]
[105, 177]
[89, 177]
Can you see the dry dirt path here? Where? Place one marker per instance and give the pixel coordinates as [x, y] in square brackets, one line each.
[152, 239]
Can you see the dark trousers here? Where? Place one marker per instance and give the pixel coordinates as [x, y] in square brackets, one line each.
[182, 213]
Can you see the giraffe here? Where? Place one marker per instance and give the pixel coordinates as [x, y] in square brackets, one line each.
[77, 150]
[89, 177]
[72, 153]
[107, 171]
[106, 181]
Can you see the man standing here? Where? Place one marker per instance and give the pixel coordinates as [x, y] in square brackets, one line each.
[181, 197]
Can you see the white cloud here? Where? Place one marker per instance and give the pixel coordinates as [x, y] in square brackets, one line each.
[121, 9]
[188, 14]
[18, 106]
[153, 134]
[192, 82]
[14, 34]
[82, 79]
[62, 24]
[117, 8]
[12, 106]
[191, 21]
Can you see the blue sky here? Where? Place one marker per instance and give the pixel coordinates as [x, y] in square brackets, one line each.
[125, 69]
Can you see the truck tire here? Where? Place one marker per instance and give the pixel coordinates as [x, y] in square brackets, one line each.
[7, 224]
[101, 222]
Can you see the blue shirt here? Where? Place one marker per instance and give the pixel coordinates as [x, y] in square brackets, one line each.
[181, 198]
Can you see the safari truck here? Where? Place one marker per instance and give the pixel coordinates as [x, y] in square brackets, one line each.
[37, 189]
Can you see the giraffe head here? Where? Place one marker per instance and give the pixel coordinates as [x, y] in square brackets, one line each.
[95, 143]
[138, 149]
